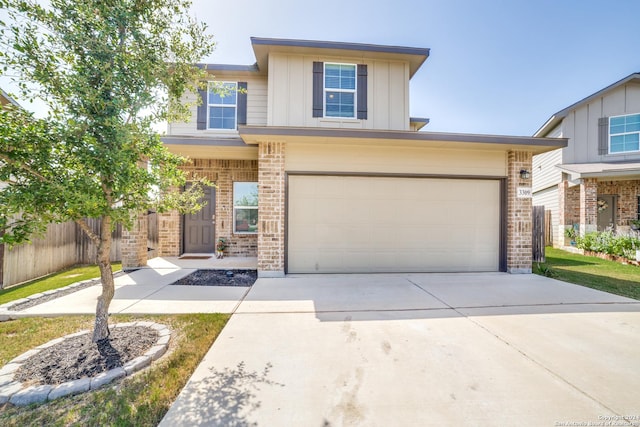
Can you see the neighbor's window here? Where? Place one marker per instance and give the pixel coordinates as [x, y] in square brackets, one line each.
[222, 105]
[624, 133]
[340, 90]
[245, 207]
[638, 211]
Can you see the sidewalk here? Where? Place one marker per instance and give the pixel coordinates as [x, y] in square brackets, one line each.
[149, 291]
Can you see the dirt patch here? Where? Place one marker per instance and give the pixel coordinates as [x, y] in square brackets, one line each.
[219, 278]
[78, 357]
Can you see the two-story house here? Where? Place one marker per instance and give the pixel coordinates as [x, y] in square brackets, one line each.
[594, 182]
[319, 168]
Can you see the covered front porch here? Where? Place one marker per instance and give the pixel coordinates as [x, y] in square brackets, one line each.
[599, 197]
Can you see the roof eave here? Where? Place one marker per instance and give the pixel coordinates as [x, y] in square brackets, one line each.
[253, 135]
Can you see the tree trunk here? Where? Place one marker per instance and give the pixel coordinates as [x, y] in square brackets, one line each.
[101, 328]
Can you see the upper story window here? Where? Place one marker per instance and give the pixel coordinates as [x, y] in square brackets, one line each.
[222, 105]
[340, 90]
[624, 133]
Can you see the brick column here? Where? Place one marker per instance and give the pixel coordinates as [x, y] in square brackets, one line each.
[519, 214]
[134, 243]
[271, 184]
[169, 233]
[588, 205]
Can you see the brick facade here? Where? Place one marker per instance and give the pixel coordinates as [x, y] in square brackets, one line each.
[223, 173]
[519, 214]
[134, 243]
[588, 205]
[271, 203]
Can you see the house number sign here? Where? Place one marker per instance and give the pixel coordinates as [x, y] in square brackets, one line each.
[524, 193]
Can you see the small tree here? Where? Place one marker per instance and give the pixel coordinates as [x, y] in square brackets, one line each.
[108, 70]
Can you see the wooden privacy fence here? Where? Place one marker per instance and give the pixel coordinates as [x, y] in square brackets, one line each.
[62, 246]
[539, 232]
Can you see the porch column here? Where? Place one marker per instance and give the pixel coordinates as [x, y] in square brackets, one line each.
[519, 214]
[134, 243]
[271, 207]
[169, 233]
[588, 206]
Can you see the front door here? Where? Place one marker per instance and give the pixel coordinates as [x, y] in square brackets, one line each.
[606, 212]
[199, 227]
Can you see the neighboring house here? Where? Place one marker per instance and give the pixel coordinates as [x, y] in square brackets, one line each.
[319, 168]
[594, 182]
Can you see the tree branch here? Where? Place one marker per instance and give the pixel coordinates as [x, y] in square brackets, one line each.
[85, 227]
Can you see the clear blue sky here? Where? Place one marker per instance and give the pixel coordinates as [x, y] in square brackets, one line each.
[496, 66]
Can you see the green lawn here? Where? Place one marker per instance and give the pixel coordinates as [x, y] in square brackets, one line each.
[140, 400]
[53, 281]
[591, 272]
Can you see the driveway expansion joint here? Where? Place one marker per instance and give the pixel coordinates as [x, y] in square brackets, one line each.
[18, 394]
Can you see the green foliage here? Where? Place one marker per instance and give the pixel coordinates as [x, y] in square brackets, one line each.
[609, 243]
[108, 70]
[592, 272]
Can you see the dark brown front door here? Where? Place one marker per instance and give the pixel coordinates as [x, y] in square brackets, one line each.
[606, 212]
[199, 227]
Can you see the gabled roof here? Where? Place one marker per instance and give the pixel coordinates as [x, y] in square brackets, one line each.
[6, 99]
[263, 46]
[557, 117]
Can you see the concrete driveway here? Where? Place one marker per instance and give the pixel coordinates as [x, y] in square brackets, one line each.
[420, 349]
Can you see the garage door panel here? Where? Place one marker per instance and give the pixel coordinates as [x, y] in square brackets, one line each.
[377, 224]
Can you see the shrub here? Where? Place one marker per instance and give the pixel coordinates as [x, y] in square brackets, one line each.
[609, 243]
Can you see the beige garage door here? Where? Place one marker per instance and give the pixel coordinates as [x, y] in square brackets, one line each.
[377, 224]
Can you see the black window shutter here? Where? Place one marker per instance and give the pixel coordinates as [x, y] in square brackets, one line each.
[362, 92]
[242, 103]
[202, 110]
[318, 89]
[603, 135]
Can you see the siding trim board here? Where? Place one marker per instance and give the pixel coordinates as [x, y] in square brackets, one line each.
[516, 141]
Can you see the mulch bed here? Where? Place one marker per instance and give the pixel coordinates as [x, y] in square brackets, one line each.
[78, 357]
[219, 278]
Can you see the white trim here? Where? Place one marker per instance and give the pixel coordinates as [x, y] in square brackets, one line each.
[235, 106]
[234, 207]
[354, 91]
[622, 134]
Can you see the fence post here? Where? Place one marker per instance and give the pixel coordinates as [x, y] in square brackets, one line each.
[1, 262]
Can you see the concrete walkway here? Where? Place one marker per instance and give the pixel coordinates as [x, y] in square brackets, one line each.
[418, 350]
[149, 291]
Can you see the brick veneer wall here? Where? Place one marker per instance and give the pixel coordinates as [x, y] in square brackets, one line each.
[627, 203]
[134, 243]
[223, 173]
[519, 214]
[588, 204]
[271, 156]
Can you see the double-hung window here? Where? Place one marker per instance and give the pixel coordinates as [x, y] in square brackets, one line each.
[245, 207]
[340, 90]
[222, 103]
[624, 133]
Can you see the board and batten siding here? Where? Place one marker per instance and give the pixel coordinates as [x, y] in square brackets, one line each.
[290, 95]
[256, 109]
[581, 125]
[545, 172]
[393, 160]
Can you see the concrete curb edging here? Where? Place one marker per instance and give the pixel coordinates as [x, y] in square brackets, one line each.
[18, 394]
